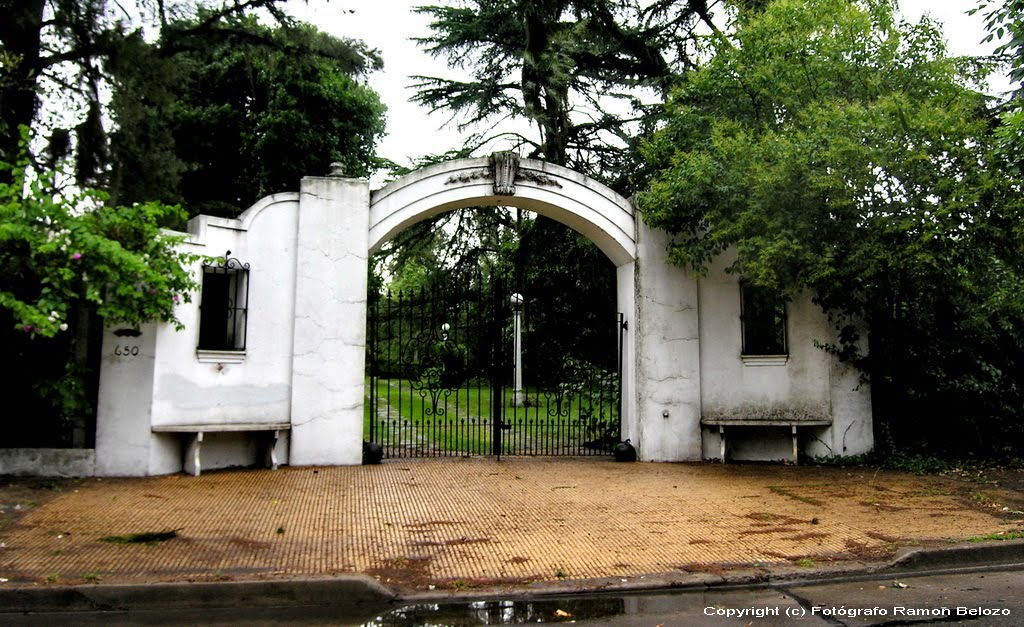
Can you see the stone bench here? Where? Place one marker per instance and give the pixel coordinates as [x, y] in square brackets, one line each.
[193, 464]
[722, 423]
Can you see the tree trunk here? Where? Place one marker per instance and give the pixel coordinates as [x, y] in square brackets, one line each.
[21, 39]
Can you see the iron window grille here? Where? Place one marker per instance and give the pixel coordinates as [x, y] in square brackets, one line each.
[763, 320]
[224, 304]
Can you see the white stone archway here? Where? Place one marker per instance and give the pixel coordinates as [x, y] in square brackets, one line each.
[304, 363]
[564, 195]
[603, 216]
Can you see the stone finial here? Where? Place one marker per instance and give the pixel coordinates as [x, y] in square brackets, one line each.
[506, 167]
[337, 169]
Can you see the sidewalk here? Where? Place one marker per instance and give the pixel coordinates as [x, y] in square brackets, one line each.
[448, 526]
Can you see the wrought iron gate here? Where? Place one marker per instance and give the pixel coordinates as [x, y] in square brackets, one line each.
[441, 377]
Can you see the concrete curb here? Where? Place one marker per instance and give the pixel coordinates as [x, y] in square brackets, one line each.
[998, 552]
[1007, 554]
[350, 593]
[361, 594]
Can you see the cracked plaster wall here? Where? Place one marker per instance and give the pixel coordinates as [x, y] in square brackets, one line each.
[330, 322]
[809, 384]
[256, 389]
[668, 356]
[166, 384]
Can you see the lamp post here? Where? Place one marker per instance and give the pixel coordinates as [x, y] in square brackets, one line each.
[518, 398]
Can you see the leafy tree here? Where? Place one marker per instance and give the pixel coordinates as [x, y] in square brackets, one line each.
[58, 250]
[206, 115]
[576, 73]
[239, 112]
[836, 149]
[57, 49]
[1006, 21]
[66, 257]
[564, 67]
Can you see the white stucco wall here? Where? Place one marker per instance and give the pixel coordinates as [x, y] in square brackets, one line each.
[577, 201]
[258, 389]
[305, 349]
[329, 351]
[852, 431]
[166, 383]
[798, 386]
[809, 384]
[124, 438]
[668, 406]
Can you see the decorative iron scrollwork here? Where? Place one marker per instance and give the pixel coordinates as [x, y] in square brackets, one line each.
[227, 263]
[224, 304]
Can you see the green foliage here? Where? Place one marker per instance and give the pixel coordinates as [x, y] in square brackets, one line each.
[61, 249]
[240, 111]
[820, 123]
[60, 51]
[1010, 534]
[830, 147]
[574, 70]
[67, 260]
[1005, 23]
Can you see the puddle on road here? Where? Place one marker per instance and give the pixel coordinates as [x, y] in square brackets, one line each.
[502, 612]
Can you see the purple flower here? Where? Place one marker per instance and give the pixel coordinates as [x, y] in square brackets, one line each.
[28, 327]
[76, 256]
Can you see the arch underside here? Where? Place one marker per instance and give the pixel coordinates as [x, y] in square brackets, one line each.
[561, 194]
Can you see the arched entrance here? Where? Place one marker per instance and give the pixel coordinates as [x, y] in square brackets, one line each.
[412, 409]
[300, 373]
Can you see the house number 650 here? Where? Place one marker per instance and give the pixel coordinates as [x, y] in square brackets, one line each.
[126, 351]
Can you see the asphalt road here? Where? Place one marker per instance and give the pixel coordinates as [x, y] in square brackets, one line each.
[985, 598]
[970, 598]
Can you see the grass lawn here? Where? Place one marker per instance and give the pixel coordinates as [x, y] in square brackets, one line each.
[412, 422]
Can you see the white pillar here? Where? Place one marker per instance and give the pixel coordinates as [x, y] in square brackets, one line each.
[124, 436]
[667, 336]
[330, 322]
[626, 300]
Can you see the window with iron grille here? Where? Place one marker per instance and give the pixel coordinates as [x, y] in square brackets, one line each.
[763, 320]
[224, 305]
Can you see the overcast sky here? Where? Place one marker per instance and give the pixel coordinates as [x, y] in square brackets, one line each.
[389, 26]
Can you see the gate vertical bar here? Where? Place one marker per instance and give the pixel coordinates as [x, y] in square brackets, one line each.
[373, 317]
[617, 403]
[497, 361]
